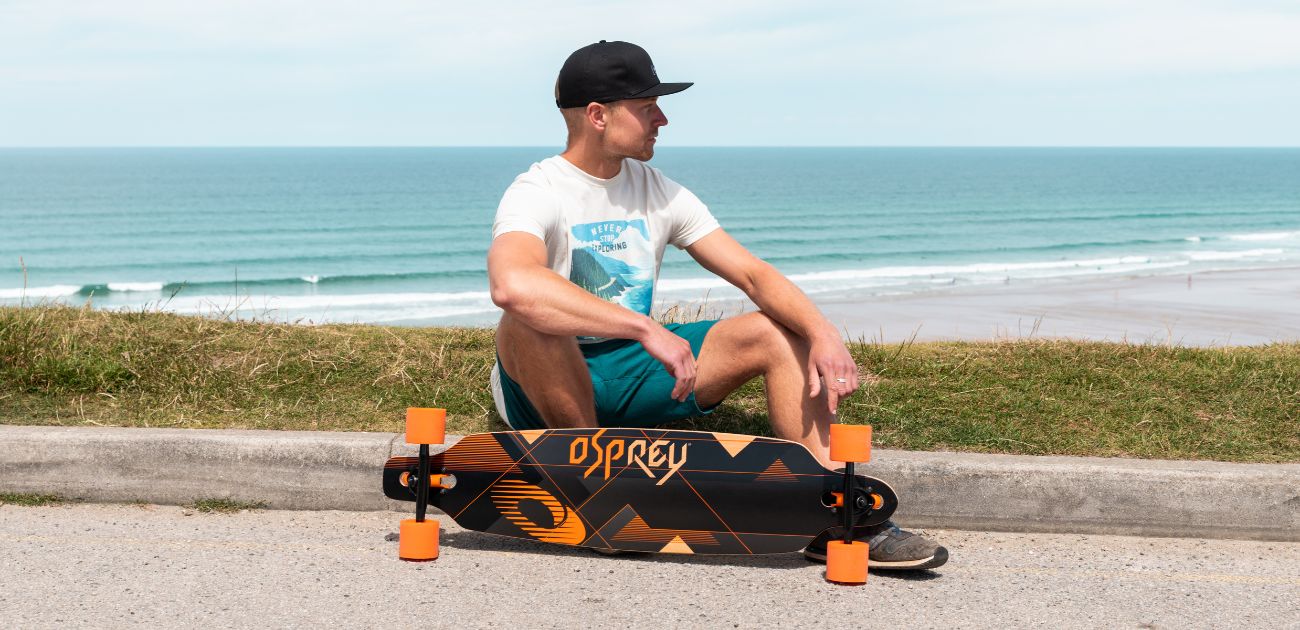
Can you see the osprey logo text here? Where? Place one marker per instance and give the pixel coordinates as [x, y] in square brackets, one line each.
[646, 454]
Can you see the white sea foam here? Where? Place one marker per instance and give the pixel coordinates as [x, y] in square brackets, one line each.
[312, 279]
[359, 299]
[970, 269]
[1193, 239]
[1264, 236]
[126, 287]
[1222, 256]
[58, 290]
[368, 307]
[891, 279]
[973, 273]
[1083, 272]
[692, 284]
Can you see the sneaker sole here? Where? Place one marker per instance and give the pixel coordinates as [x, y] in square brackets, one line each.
[937, 560]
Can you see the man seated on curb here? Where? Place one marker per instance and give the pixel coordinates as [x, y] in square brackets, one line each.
[575, 254]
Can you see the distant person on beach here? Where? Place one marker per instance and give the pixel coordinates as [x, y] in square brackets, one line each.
[575, 254]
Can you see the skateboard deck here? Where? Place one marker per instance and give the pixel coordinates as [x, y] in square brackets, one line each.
[649, 490]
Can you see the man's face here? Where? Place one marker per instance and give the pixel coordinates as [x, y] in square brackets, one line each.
[631, 127]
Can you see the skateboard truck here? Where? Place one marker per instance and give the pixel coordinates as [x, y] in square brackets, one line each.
[442, 481]
[417, 539]
[846, 560]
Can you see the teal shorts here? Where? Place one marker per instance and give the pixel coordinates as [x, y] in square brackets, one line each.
[632, 388]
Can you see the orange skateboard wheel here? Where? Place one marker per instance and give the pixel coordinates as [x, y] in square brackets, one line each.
[417, 541]
[426, 425]
[846, 563]
[851, 442]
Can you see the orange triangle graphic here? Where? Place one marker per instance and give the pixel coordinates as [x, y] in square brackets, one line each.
[778, 467]
[778, 471]
[734, 443]
[532, 434]
[677, 545]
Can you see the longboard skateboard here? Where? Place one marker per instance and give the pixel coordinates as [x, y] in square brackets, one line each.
[647, 490]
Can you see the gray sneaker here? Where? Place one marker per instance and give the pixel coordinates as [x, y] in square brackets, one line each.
[891, 548]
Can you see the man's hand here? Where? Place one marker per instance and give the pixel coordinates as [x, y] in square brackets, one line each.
[675, 354]
[829, 361]
[781, 300]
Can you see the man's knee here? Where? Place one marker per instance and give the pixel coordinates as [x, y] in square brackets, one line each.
[550, 369]
[511, 330]
[518, 340]
[757, 339]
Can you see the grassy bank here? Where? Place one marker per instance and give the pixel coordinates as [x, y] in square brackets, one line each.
[72, 366]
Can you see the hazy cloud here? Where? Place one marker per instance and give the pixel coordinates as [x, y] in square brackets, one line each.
[397, 71]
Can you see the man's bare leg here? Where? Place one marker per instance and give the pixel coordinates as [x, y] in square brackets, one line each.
[551, 371]
[741, 348]
[738, 349]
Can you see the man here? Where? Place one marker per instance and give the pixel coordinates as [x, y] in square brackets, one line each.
[575, 254]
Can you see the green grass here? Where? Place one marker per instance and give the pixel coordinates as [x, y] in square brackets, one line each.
[76, 366]
[224, 506]
[31, 500]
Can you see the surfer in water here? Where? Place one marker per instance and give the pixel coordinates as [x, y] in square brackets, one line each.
[576, 248]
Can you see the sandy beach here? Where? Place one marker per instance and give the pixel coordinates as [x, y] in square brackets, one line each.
[1204, 309]
[1215, 308]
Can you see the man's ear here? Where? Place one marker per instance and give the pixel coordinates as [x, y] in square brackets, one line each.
[597, 116]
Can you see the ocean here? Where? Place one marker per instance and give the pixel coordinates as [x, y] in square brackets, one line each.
[400, 235]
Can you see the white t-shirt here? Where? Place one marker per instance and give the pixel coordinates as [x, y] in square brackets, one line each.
[605, 235]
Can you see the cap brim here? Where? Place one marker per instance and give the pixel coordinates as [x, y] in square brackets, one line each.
[663, 89]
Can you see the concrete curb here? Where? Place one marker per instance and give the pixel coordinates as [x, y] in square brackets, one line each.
[286, 469]
[340, 471]
[1094, 495]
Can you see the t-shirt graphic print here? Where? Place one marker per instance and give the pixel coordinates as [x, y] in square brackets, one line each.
[615, 261]
[605, 235]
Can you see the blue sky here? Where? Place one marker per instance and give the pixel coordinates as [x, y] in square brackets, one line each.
[433, 73]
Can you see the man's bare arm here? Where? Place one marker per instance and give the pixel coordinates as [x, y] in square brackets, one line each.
[524, 286]
[784, 302]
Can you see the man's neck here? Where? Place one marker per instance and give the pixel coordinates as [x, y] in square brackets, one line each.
[593, 162]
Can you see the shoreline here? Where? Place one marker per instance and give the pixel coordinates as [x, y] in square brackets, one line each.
[1199, 309]
[1213, 308]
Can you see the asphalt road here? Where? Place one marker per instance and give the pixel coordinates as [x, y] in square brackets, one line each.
[115, 565]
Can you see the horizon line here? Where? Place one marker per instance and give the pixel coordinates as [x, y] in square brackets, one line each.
[689, 146]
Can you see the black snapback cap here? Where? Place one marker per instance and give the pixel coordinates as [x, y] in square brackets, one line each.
[605, 72]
